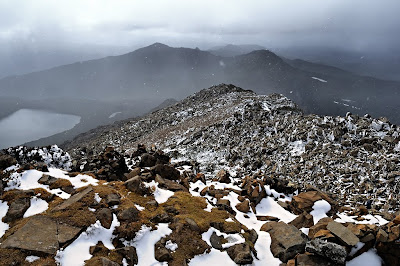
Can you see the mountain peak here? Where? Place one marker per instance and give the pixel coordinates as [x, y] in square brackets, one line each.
[218, 90]
[158, 45]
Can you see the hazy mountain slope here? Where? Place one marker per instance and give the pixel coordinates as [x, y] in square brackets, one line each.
[158, 72]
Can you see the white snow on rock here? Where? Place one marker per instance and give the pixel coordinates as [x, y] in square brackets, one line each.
[160, 195]
[368, 219]
[144, 242]
[3, 211]
[320, 208]
[140, 208]
[76, 181]
[369, 258]
[264, 253]
[31, 258]
[356, 248]
[319, 79]
[77, 252]
[97, 198]
[297, 148]
[171, 246]
[215, 257]
[37, 206]
[268, 206]
[29, 180]
[232, 239]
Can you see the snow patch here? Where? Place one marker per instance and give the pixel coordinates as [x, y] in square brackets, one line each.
[322, 80]
[268, 206]
[37, 206]
[215, 257]
[171, 246]
[232, 239]
[29, 180]
[140, 208]
[77, 252]
[320, 208]
[369, 258]
[298, 147]
[114, 114]
[31, 258]
[3, 211]
[160, 195]
[145, 241]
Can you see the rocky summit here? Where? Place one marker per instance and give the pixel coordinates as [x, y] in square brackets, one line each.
[223, 176]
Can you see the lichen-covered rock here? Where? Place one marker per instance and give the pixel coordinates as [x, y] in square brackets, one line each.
[329, 250]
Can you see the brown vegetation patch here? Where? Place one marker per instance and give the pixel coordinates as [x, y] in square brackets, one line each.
[13, 195]
[77, 214]
[11, 257]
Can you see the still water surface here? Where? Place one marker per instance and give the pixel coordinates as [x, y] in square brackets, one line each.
[28, 124]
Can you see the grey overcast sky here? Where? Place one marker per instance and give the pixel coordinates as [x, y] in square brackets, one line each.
[359, 24]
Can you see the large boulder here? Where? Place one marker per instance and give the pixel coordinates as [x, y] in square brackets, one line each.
[240, 254]
[223, 176]
[129, 253]
[129, 215]
[136, 185]
[147, 160]
[109, 165]
[17, 209]
[6, 161]
[303, 220]
[104, 215]
[113, 199]
[167, 172]
[169, 184]
[286, 240]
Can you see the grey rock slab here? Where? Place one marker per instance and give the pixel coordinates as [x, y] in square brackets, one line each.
[41, 234]
[75, 198]
[343, 233]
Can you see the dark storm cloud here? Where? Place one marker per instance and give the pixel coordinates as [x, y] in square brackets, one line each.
[358, 24]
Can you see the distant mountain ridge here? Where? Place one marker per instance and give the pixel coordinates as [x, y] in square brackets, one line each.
[231, 50]
[158, 72]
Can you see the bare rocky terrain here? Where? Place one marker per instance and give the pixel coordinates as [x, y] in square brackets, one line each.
[225, 175]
